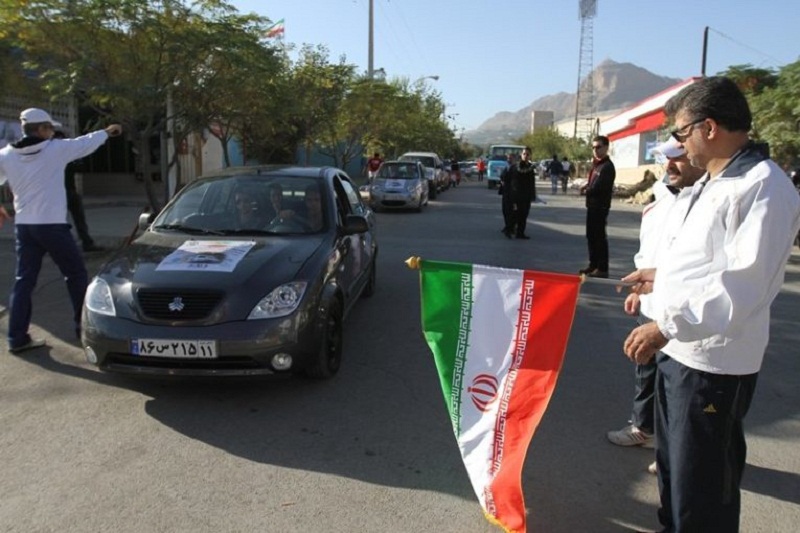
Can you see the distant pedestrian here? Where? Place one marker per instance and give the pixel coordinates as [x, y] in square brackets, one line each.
[520, 180]
[566, 171]
[34, 167]
[75, 204]
[373, 164]
[455, 172]
[598, 192]
[554, 169]
[481, 166]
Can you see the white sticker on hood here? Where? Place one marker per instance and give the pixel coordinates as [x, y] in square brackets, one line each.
[209, 256]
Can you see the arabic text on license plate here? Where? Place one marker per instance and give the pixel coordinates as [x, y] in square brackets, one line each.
[179, 349]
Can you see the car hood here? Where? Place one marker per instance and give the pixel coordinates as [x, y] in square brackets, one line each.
[272, 260]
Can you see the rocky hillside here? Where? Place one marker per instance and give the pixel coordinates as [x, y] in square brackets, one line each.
[617, 86]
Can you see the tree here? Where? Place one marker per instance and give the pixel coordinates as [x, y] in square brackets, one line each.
[776, 115]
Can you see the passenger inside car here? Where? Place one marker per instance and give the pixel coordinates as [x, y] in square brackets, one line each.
[313, 207]
[250, 214]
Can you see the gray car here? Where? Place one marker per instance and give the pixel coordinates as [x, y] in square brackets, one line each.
[399, 185]
[251, 270]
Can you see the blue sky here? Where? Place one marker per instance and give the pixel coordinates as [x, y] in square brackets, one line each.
[501, 55]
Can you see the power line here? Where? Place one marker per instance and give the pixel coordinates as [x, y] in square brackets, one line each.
[743, 45]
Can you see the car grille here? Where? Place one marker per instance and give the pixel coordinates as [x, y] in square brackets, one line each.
[178, 304]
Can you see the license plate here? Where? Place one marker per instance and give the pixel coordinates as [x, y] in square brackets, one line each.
[178, 349]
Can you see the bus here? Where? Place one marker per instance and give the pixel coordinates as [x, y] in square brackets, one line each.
[497, 161]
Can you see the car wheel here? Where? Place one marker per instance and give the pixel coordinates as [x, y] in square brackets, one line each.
[372, 281]
[432, 192]
[329, 358]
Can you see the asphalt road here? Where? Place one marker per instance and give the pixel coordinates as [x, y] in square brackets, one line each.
[371, 450]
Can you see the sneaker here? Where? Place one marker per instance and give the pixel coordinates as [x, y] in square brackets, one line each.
[596, 273]
[652, 468]
[631, 436]
[30, 345]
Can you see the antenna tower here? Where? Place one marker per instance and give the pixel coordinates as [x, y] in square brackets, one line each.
[584, 97]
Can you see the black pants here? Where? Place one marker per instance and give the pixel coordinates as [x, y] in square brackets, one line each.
[701, 448]
[596, 219]
[522, 207]
[75, 208]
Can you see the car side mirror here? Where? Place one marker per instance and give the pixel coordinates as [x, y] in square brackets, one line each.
[355, 224]
[145, 219]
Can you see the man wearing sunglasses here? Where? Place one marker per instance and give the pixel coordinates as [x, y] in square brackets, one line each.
[714, 286]
[598, 192]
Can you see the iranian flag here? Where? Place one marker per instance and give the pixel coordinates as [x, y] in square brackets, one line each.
[276, 29]
[498, 337]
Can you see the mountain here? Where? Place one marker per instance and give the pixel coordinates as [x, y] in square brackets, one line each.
[616, 86]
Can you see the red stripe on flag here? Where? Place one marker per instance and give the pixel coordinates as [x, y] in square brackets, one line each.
[532, 380]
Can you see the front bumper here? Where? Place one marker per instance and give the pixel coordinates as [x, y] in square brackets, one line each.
[243, 348]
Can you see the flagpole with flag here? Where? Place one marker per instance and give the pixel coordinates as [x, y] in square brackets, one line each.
[498, 338]
[276, 30]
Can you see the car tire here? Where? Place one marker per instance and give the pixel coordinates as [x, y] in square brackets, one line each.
[372, 280]
[432, 192]
[329, 357]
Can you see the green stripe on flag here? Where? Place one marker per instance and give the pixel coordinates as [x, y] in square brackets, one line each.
[446, 315]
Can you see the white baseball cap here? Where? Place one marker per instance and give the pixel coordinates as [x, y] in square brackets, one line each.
[34, 115]
[670, 149]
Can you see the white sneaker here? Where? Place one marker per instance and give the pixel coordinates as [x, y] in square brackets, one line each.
[652, 468]
[631, 436]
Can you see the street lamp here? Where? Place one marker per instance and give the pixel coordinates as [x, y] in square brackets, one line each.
[434, 78]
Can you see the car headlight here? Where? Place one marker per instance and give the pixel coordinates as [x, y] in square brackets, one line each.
[98, 298]
[280, 302]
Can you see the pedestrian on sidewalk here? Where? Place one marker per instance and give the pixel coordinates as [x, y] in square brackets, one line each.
[34, 167]
[656, 227]
[75, 203]
[714, 285]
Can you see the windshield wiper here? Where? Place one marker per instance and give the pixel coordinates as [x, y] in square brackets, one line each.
[188, 229]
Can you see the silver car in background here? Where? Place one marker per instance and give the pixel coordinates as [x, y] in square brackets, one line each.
[399, 185]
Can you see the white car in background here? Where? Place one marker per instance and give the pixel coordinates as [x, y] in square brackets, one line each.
[438, 178]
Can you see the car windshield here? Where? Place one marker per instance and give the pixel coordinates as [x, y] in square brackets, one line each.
[402, 171]
[247, 205]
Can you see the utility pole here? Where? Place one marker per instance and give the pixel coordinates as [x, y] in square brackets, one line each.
[371, 58]
[705, 52]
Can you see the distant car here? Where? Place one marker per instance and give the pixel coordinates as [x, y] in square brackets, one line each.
[438, 177]
[250, 270]
[468, 168]
[399, 185]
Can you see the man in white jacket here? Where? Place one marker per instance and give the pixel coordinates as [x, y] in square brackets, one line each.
[714, 288]
[34, 168]
[656, 227]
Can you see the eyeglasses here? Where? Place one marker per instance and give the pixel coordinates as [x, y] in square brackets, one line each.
[683, 133]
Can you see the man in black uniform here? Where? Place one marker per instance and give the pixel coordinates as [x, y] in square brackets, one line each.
[520, 178]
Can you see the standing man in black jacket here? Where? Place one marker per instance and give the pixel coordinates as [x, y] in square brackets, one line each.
[521, 180]
[598, 192]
